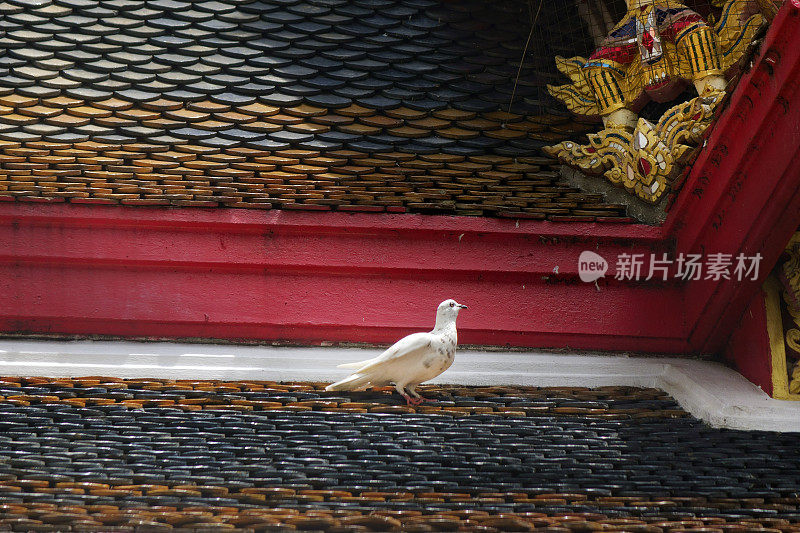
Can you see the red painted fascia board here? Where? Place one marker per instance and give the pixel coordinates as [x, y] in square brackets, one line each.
[743, 195]
[69, 269]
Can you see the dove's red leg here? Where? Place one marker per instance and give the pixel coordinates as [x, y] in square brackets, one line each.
[417, 398]
[402, 392]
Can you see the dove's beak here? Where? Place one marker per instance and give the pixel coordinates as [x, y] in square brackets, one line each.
[462, 306]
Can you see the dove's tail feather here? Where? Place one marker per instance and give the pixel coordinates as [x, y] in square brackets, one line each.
[357, 364]
[354, 382]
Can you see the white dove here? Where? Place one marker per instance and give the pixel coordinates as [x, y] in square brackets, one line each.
[411, 360]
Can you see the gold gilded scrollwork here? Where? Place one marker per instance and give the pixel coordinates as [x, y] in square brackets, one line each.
[790, 278]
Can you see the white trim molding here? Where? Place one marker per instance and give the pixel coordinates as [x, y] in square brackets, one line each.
[710, 391]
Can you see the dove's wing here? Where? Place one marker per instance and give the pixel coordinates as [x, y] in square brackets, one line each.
[404, 353]
[357, 364]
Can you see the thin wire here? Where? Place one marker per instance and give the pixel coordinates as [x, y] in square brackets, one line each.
[524, 53]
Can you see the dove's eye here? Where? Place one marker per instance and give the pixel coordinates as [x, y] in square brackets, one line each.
[452, 304]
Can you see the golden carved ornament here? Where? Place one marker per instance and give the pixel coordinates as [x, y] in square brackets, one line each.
[630, 151]
[782, 302]
[646, 160]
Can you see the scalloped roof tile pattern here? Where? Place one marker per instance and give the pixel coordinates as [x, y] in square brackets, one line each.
[405, 106]
[104, 454]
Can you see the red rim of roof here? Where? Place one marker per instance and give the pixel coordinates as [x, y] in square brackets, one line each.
[316, 277]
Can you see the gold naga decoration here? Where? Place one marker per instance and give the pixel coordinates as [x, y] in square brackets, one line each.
[790, 277]
[782, 305]
[651, 54]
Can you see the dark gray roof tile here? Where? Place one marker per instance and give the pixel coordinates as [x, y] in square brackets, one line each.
[220, 60]
[8, 8]
[132, 76]
[169, 23]
[156, 86]
[130, 58]
[140, 131]
[205, 87]
[399, 93]
[16, 81]
[233, 99]
[85, 93]
[200, 69]
[77, 38]
[53, 64]
[369, 146]
[147, 48]
[122, 22]
[146, 31]
[6, 61]
[253, 88]
[62, 82]
[277, 98]
[43, 129]
[25, 18]
[40, 91]
[99, 29]
[144, 13]
[34, 73]
[213, 6]
[169, 5]
[340, 36]
[327, 100]
[372, 83]
[218, 141]
[31, 54]
[216, 25]
[136, 95]
[240, 52]
[425, 104]
[194, 33]
[178, 77]
[105, 65]
[18, 135]
[112, 85]
[29, 4]
[353, 92]
[350, 9]
[324, 82]
[247, 70]
[151, 67]
[100, 48]
[175, 60]
[300, 89]
[309, 10]
[318, 144]
[55, 45]
[68, 137]
[165, 140]
[241, 135]
[181, 95]
[116, 138]
[86, 76]
[268, 144]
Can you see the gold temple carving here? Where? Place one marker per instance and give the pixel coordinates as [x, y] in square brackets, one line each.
[652, 54]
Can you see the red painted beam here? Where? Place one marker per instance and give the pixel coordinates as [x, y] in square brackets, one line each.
[325, 277]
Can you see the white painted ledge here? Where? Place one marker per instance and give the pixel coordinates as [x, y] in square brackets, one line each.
[710, 391]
